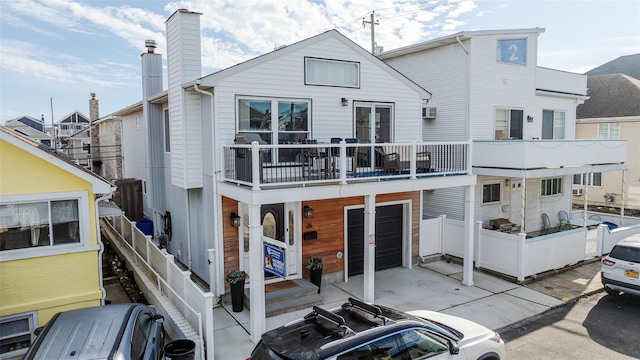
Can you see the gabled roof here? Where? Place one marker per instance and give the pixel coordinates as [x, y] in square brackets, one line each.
[27, 131]
[451, 39]
[214, 78]
[611, 96]
[100, 185]
[37, 124]
[81, 118]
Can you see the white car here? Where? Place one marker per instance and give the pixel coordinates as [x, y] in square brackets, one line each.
[359, 330]
[621, 268]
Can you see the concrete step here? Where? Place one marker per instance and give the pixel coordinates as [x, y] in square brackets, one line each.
[304, 295]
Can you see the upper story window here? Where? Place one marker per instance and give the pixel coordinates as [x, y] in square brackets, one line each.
[508, 124]
[609, 131]
[491, 193]
[550, 186]
[39, 225]
[289, 126]
[594, 179]
[553, 123]
[512, 51]
[332, 72]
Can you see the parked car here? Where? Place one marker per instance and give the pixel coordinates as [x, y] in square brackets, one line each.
[621, 268]
[358, 330]
[118, 331]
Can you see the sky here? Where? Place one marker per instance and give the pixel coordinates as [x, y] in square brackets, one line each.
[55, 53]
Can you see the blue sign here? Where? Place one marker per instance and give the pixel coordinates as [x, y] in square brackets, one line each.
[274, 260]
[512, 51]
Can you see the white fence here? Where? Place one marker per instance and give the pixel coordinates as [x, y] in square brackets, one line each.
[517, 256]
[173, 284]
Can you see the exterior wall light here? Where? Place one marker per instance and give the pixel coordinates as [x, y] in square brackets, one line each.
[235, 220]
[345, 102]
[307, 212]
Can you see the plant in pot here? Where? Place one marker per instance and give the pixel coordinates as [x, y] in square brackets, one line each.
[314, 264]
[236, 279]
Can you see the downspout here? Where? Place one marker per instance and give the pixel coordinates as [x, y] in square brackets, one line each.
[101, 251]
[216, 205]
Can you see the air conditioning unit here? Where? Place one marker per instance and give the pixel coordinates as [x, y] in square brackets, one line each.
[428, 112]
[577, 192]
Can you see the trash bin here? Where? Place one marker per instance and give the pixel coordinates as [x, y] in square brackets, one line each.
[145, 225]
[182, 349]
[244, 159]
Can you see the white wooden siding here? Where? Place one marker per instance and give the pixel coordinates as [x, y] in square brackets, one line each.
[284, 77]
[448, 89]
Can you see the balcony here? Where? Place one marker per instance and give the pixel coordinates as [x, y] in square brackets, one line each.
[560, 82]
[298, 165]
[540, 154]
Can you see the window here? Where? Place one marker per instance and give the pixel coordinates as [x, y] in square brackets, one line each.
[512, 51]
[16, 334]
[167, 134]
[508, 124]
[140, 336]
[64, 127]
[609, 131]
[332, 73]
[419, 344]
[550, 186]
[46, 223]
[491, 193]
[553, 124]
[254, 116]
[386, 348]
[594, 179]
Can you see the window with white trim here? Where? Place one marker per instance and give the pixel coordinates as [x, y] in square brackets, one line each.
[491, 193]
[609, 131]
[553, 124]
[43, 224]
[508, 124]
[16, 334]
[594, 179]
[290, 127]
[332, 72]
[551, 186]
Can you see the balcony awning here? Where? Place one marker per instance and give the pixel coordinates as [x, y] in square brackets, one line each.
[108, 208]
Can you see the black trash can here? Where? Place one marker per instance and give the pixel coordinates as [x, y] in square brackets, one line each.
[182, 349]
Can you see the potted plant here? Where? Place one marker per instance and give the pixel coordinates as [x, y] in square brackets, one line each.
[236, 279]
[314, 264]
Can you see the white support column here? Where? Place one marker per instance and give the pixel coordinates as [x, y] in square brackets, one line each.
[257, 314]
[523, 203]
[467, 265]
[585, 214]
[369, 247]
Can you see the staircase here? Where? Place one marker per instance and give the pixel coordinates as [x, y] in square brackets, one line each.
[300, 294]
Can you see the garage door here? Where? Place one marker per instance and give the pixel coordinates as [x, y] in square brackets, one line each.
[388, 238]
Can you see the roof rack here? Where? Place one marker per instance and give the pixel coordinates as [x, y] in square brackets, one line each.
[368, 308]
[334, 318]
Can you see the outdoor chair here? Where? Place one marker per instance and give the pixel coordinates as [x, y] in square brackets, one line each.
[564, 219]
[546, 224]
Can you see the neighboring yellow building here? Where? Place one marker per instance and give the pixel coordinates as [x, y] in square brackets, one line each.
[50, 253]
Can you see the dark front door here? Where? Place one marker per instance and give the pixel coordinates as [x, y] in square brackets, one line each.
[388, 238]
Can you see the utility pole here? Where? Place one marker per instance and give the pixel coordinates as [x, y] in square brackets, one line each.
[373, 32]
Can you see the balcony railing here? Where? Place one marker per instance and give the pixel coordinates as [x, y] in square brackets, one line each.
[264, 166]
[533, 154]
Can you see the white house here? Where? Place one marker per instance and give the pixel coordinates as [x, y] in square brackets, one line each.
[340, 173]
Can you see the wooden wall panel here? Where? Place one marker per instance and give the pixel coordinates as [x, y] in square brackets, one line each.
[230, 237]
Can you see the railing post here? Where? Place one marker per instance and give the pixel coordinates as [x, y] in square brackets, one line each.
[147, 244]
[256, 170]
[343, 162]
[133, 240]
[413, 159]
[478, 240]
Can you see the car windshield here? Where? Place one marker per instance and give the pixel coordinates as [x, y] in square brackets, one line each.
[625, 253]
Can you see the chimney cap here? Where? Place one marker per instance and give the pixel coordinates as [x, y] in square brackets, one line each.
[150, 45]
